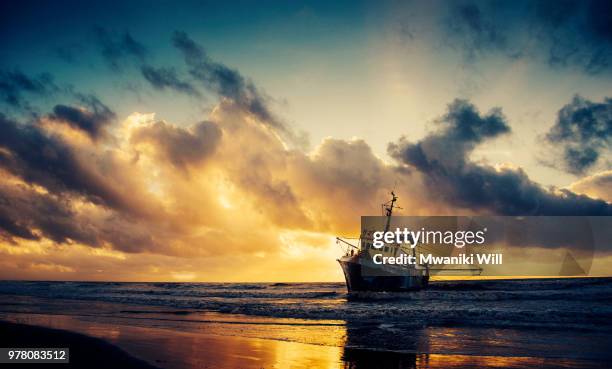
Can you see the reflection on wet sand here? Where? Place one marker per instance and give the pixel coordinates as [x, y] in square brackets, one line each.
[174, 349]
[415, 352]
[368, 359]
[212, 346]
[209, 340]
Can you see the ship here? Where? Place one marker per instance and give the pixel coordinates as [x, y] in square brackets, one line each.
[362, 274]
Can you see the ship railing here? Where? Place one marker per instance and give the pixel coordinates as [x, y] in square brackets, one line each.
[348, 247]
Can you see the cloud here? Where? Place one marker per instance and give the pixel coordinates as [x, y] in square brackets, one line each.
[584, 131]
[29, 214]
[442, 158]
[90, 195]
[579, 33]
[246, 194]
[325, 190]
[92, 121]
[346, 175]
[117, 48]
[597, 186]
[162, 78]
[561, 33]
[256, 161]
[230, 84]
[229, 186]
[39, 158]
[179, 146]
[14, 84]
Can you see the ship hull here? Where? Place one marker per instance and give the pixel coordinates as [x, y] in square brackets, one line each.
[361, 277]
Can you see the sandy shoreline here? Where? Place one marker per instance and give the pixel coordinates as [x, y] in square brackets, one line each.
[85, 351]
[171, 349]
[186, 340]
[177, 350]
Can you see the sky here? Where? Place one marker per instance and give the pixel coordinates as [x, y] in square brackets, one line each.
[233, 141]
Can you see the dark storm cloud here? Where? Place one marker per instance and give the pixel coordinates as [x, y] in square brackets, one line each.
[580, 32]
[15, 84]
[9, 227]
[162, 78]
[25, 211]
[443, 159]
[115, 48]
[92, 121]
[28, 214]
[572, 33]
[584, 130]
[36, 157]
[229, 83]
[180, 146]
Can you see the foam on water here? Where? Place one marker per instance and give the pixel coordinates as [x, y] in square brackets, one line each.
[546, 303]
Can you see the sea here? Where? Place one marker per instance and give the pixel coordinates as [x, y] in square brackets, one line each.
[565, 317]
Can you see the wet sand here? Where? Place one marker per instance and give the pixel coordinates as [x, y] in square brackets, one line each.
[171, 349]
[130, 337]
[85, 351]
[168, 349]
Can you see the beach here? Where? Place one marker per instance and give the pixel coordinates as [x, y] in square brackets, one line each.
[179, 337]
[86, 351]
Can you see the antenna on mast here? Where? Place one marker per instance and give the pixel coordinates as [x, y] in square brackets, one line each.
[388, 208]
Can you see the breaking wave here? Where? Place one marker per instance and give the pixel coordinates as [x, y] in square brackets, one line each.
[546, 303]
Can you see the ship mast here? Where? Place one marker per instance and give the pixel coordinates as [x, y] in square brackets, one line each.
[389, 210]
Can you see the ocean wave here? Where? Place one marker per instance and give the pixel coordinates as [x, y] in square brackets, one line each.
[570, 303]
